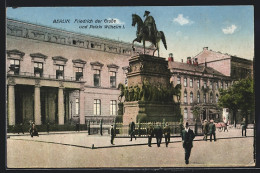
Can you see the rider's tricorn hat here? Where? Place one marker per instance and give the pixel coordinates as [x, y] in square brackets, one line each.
[146, 13]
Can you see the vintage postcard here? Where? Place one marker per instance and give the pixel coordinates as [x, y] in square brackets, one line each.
[130, 86]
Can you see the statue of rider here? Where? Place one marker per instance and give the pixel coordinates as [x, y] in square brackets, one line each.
[149, 22]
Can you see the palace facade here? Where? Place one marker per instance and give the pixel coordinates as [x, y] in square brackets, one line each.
[59, 76]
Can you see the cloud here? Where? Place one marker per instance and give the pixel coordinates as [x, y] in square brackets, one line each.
[186, 37]
[118, 22]
[182, 20]
[230, 29]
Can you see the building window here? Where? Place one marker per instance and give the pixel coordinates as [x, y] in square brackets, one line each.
[185, 82]
[211, 98]
[79, 73]
[198, 83]
[191, 115]
[77, 106]
[185, 97]
[217, 85]
[226, 85]
[221, 85]
[113, 107]
[191, 97]
[185, 115]
[191, 83]
[178, 80]
[216, 98]
[38, 69]
[112, 79]
[204, 98]
[15, 66]
[59, 71]
[97, 78]
[205, 84]
[198, 97]
[97, 107]
[210, 85]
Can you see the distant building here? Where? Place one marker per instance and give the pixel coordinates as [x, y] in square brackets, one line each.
[60, 77]
[200, 87]
[229, 65]
[202, 76]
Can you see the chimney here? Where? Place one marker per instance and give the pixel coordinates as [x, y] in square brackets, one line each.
[182, 60]
[205, 63]
[188, 60]
[205, 48]
[196, 62]
[170, 59]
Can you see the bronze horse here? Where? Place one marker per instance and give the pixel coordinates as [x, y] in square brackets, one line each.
[142, 34]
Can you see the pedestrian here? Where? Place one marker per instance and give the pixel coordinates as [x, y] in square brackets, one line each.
[112, 133]
[132, 130]
[167, 131]
[212, 130]
[48, 127]
[205, 130]
[158, 135]
[150, 132]
[244, 126]
[20, 129]
[77, 127]
[225, 127]
[187, 140]
[34, 131]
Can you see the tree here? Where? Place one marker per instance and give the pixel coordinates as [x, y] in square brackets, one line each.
[239, 96]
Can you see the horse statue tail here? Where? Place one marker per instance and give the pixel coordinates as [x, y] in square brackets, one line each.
[163, 40]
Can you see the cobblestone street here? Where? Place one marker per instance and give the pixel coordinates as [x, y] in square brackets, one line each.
[73, 150]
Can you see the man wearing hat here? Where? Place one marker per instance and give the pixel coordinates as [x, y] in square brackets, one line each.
[187, 139]
[212, 130]
[205, 130]
[112, 134]
[150, 134]
[149, 22]
[167, 131]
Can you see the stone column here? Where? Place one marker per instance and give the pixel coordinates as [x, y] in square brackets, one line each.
[61, 106]
[82, 106]
[11, 105]
[37, 105]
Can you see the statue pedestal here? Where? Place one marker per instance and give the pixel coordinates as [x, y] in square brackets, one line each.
[153, 105]
[150, 68]
[147, 111]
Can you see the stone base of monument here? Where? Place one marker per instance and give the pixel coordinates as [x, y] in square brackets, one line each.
[147, 111]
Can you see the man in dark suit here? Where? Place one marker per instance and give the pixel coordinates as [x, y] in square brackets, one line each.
[132, 130]
[187, 139]
[244, 126]
[158, 135]
[167, 132]
[112, 133]
[212, 130]
[150, 134]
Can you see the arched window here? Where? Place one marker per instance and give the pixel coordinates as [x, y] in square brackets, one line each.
[185, 82]
[191, 97]
[191, 82]
[185, 97]
[185, 115]
[198, 97]
[211, 98]
[204, 98]
[198, 83]
[216, 98]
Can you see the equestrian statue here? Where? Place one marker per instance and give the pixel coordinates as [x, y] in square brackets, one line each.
[147, 31]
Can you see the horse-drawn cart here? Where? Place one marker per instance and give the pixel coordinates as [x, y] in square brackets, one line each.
[220, 126]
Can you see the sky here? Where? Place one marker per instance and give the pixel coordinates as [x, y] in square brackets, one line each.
[227, 29]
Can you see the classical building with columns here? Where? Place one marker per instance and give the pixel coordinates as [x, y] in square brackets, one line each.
[60, 77]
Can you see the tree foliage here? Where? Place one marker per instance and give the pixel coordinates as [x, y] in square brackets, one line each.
[239, 96]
